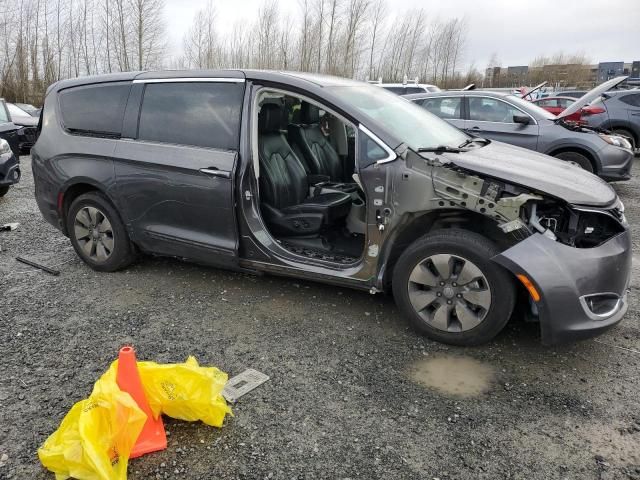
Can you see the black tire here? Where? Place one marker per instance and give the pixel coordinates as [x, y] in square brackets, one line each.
[122, 252]
[4, 191]
[623, 132]
[577, 158]
[471, 247]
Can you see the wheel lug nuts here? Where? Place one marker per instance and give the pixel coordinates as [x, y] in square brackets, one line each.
[448, 302]
[438, 294]
[441, 284]
[454, 284]
[459, 295]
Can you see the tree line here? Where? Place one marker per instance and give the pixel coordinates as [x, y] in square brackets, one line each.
[43, 41]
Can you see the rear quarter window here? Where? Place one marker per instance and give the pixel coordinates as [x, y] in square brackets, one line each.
[199, 114]
[633, 100]
[94, 109]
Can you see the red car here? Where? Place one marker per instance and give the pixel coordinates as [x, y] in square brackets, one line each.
[556, 105]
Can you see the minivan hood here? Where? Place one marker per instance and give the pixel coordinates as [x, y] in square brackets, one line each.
[591, 95]
[538, 172]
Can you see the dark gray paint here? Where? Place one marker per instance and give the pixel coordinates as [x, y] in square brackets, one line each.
[540, 172]
[172, 208]
[563, 274]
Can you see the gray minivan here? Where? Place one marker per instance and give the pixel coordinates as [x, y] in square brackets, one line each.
[337, 181]
[510, 119]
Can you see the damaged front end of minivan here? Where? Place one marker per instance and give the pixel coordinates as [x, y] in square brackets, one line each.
[574, 259]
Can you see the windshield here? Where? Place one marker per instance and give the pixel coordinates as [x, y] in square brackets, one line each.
[531, 107]
[16, 111]
[405, 120]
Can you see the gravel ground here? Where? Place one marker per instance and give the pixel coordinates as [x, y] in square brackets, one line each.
[354, 393]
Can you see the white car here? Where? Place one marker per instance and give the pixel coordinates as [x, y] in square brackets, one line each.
[407, 88]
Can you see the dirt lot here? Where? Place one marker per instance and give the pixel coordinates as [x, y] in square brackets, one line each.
[354, 393]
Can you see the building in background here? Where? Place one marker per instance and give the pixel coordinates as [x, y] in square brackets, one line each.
[635, 69]
[517, 76]
[609, 70]
[492, 77]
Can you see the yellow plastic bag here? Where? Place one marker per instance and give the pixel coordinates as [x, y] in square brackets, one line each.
[96, 437]
[185, 391]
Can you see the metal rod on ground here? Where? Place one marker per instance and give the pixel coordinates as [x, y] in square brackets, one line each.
[37, 265]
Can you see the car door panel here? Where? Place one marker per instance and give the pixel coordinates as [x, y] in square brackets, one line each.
[499, 129]
[173, 207]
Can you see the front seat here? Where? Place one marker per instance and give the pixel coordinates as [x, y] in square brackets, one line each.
[284, 189]
[318, 154]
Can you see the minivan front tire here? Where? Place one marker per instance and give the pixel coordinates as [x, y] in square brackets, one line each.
[97, 233]
[448, 287]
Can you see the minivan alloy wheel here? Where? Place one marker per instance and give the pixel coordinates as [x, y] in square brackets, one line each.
[94, 233]
[449, 292]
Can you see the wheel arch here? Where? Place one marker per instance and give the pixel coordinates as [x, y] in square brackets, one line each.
[69, 192]
[582, 151]
[415, 226]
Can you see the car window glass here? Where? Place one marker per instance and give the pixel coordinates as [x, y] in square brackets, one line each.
[633, 100]
[398, 90]
[15, 111]
[201, 114]
[564, 102]
[484, 109]
[370, 152]
[95, 109]
[443, 107]
[3, 113]
[409, 90]
[402, 119]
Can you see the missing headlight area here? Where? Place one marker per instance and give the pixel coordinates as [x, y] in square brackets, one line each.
[575, 226]
[520, 213]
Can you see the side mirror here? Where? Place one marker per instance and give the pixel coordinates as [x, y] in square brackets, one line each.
[521, 119]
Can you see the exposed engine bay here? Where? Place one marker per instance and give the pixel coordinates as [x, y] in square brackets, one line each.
[520, 212]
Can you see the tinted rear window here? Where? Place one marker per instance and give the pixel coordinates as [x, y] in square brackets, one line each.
[198, 113]
[398, 90]
[633, 100]
[95, 109]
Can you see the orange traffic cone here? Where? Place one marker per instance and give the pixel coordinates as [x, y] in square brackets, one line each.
[152, 437]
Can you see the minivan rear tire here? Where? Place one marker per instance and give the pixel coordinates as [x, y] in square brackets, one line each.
[576, 158]
[465, 246]
[123, 252]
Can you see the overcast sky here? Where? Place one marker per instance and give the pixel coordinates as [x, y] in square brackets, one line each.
[516, 30]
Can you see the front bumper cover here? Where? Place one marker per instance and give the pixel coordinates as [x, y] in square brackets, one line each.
[616, 163]
[9, 169]
[567, 277]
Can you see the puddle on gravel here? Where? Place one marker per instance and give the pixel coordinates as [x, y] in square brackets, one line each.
[453, 375]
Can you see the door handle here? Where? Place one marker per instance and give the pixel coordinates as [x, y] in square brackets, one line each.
[214, 172]
[475, 128]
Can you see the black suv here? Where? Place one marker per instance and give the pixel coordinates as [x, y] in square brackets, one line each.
[337, 181]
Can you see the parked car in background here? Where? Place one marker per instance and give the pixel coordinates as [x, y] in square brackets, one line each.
[557, 105]
[27, 126]
[408, 88]
[619, 112]
[510, 119]
[9, 165]
[30, 109]
[363, 189]
[9, 151]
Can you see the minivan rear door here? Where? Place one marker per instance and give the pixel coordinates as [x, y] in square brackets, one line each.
[175, 167]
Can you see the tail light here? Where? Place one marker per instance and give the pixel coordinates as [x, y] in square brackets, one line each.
[592, 110]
